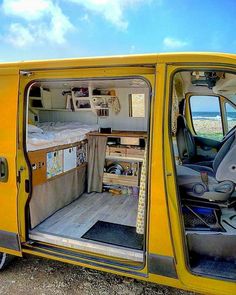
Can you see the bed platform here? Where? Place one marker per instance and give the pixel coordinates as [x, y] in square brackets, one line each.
[53, 134]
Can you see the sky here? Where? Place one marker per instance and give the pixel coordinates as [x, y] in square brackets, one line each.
[45, 29]
[204, 103]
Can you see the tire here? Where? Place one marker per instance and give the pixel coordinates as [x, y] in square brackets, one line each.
[5, 259]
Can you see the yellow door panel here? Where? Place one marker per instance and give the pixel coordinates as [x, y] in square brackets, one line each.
[9, 239]
[190, 280]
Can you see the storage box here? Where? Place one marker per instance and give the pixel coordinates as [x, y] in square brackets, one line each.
[135, 153]
[129, 140]
[125, 180]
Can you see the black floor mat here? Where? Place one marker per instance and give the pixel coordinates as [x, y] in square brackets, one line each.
[211, 267]
[115, 234]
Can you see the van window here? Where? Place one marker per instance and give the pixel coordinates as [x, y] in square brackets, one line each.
[231, 115]
[206, 116]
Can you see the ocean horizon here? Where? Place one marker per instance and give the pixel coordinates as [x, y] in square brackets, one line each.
[212, 115]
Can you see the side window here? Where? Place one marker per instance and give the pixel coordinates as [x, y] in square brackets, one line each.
[206, 116]
[230, 115]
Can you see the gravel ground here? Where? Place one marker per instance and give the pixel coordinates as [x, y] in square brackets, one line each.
[32, 275]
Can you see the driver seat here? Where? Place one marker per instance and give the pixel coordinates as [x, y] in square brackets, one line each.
[216, 184]
[185, 142]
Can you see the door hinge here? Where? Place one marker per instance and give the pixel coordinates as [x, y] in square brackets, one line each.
[26, 73]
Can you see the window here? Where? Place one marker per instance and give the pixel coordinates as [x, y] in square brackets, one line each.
[137, 105]
[206, 116]
[230, 115]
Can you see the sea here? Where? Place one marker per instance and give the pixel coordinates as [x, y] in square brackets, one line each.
[213, 116]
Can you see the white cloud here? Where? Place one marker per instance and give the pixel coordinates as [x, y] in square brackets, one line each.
[43, 20]
[60, 25]
[111, 10]
[19, 35]
[26, 9]
[172, 43]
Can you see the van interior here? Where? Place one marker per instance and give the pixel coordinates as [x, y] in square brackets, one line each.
[87, 147]
[203, 127]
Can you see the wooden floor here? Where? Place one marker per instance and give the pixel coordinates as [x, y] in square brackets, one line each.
[74, 220]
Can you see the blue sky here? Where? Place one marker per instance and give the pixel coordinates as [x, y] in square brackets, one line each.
[39, 29]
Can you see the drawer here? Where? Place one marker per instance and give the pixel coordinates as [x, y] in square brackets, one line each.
[116, 151]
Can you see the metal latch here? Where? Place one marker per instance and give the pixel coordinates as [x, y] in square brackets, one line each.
[26, 73]
[3, 170]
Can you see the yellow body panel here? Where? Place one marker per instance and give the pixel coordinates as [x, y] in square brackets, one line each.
[200, 284]
[164, 230]
[9, 79]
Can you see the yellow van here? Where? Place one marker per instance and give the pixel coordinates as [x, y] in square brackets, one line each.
[123, 164]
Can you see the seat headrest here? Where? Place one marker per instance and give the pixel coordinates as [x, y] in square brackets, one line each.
[181, 122]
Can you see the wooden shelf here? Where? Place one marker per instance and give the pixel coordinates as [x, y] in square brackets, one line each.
[125, 159]
[101, 96]
[90, 109]
[69, 110]
[45, 109]
[119, 133]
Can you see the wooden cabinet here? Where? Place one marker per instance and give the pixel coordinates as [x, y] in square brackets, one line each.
[126, 152]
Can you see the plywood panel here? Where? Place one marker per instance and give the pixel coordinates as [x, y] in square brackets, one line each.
[39, 166]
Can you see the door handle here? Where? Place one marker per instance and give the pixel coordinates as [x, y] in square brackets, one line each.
[3, 170]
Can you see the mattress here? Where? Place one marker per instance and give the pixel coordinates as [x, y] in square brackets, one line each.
[50, 134]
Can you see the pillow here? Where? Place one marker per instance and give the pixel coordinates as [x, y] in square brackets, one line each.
[34, 129]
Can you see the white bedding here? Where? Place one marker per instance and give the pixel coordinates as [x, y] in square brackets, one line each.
[51, 134]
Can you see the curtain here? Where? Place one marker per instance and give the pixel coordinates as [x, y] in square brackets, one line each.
[96, 161]
[140, 222]
[55, 194]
